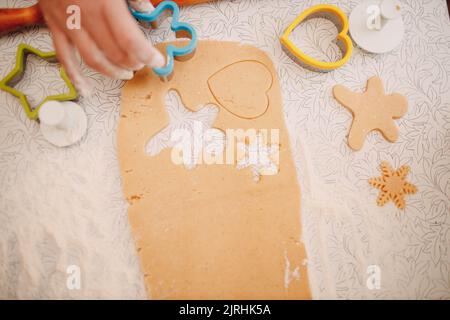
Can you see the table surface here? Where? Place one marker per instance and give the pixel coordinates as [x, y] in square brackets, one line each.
[63, 207]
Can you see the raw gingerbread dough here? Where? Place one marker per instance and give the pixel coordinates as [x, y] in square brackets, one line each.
[212, 232]
[372, 110]
[393, 185]
[249, 103]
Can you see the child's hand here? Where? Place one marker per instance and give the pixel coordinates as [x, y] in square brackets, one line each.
[109, 39]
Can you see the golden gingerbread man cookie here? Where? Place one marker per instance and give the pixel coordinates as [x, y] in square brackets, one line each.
[372, 110]
[392, 185]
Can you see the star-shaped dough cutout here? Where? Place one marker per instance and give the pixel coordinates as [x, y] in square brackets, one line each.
[392, 185]
[192, 130]
[372, 110]
[7, 83]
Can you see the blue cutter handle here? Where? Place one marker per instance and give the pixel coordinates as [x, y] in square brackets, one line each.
[176, 26]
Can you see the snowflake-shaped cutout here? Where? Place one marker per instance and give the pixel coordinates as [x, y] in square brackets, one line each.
[261, 158]
[392, 185]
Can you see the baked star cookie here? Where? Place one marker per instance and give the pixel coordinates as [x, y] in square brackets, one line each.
[372, 110]
[392, 185]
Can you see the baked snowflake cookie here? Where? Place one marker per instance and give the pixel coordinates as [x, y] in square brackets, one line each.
[393, 185]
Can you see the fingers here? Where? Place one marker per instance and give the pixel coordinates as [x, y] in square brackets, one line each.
[66, 56]
[69, 40]
[142, 5]
[95, 58]
[130, 37]
[106, 42]
[111, 44]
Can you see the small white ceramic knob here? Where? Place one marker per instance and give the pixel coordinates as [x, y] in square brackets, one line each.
[381, 29]
[52, 113]
[62, 123]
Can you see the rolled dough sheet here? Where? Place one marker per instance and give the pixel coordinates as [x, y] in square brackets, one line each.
[212, 232]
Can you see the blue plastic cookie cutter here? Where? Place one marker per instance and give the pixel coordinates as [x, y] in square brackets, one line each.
[181, 29]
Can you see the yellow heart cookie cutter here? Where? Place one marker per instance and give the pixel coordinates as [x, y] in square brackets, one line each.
[340, 20]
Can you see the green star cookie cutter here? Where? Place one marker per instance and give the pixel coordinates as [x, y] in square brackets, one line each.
[16, 74]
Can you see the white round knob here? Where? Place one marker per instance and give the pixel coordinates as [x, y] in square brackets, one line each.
[384, 39]
[52, 113]
[62, 123]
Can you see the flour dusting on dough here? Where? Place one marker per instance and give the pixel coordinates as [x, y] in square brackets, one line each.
[288, 274]
[195, 125]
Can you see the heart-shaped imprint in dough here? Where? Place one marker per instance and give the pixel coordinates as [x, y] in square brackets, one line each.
[246, 96]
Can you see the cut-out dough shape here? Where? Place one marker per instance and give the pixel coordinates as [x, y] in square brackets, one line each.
[372, 110]
[247, 100]
[259, 157]
[197, 124]
[393, 185]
